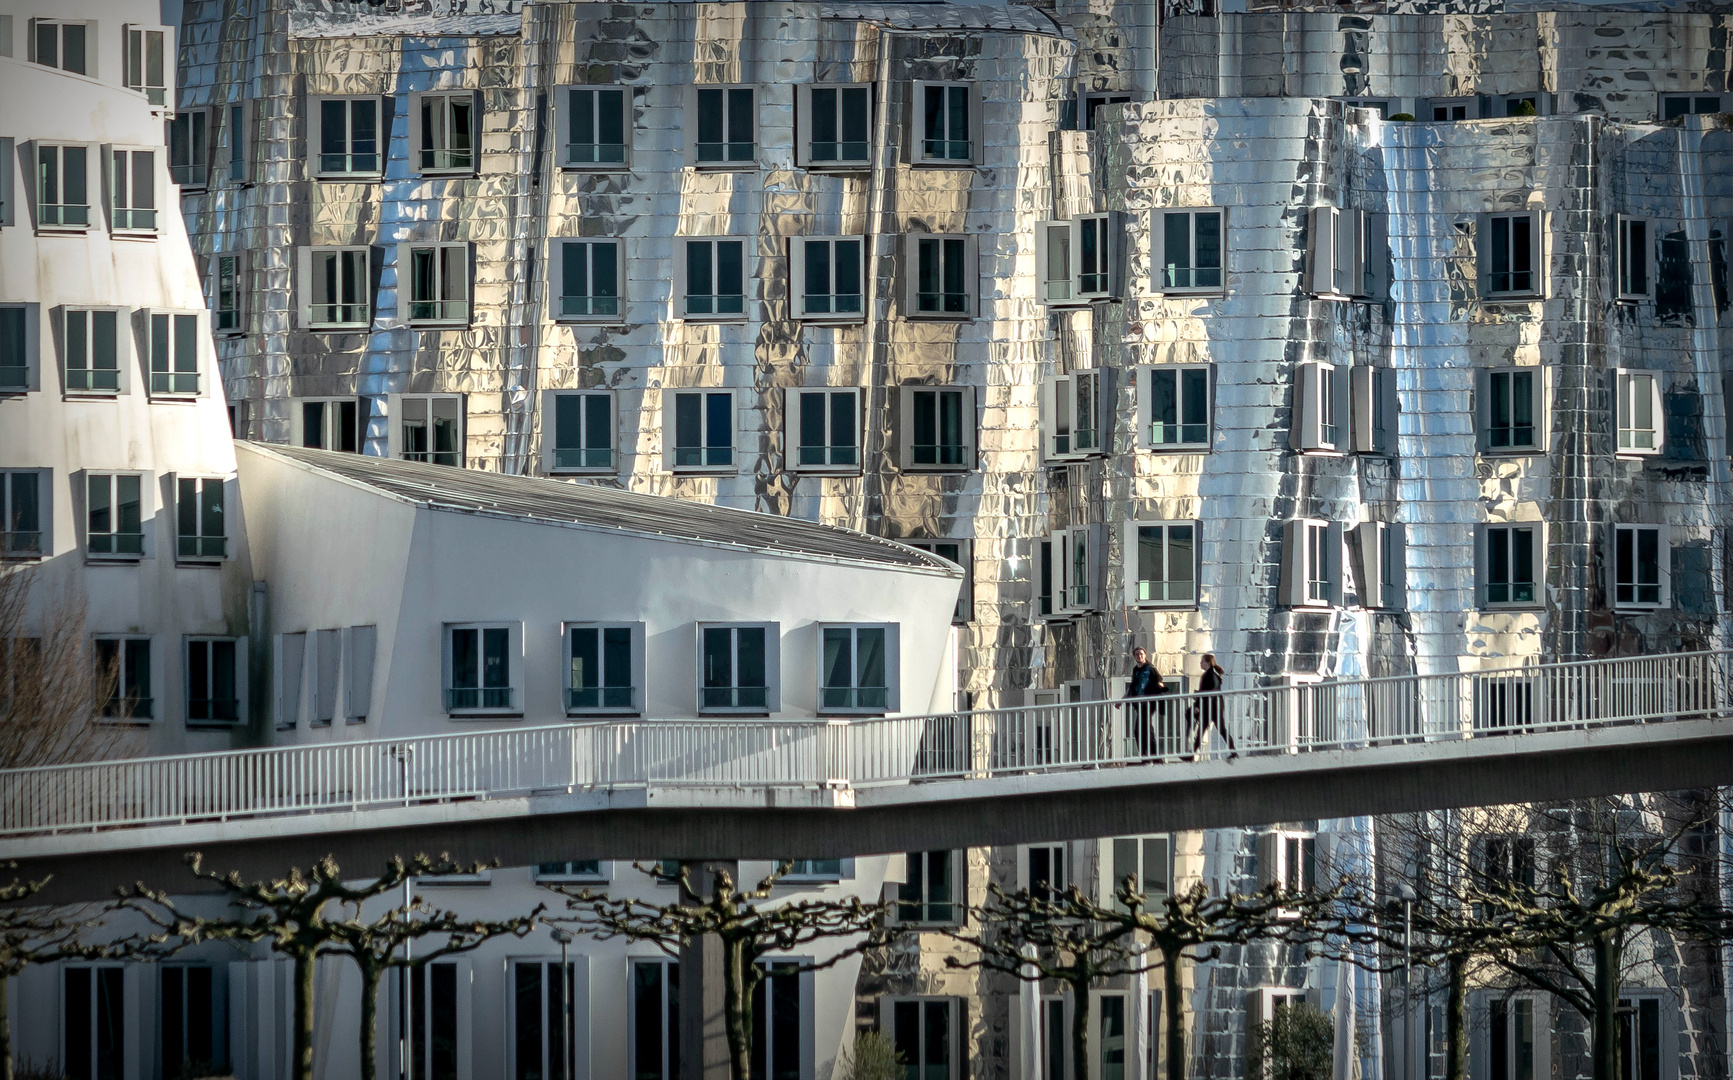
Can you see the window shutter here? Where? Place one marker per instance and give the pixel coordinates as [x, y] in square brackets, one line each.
[911, 271]
[1348, 260]
[1362, 393]
[1333, 562]
[1049, 414]
[1106, 408]
[1321, 249]
[1339, 386]
[1483, 252]
[1293, 580]
[1367, 565]
[803, 125]
[1537, 237]
[1304, 433]
[291, 652]
[1041, 261]
[791, 427]
[1656, 410]
[1097, 536]
[8, 169]
[327, 651]
[358, 665]
[1386, 408]
[1269, 864]
[393, 425]
[1396, 589]
[303, 287]
[1375, 268]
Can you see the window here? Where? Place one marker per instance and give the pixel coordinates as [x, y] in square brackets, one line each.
[1381, 106]
[213, 681]
[1112, 1035]
[834, 123]
[1511, 409]
[1507, 862]
[1192, 243]
[938, 427]
[589, 278]
[1450, 109]
[1641, 558]
[189, 1021]
[1638, 411]
[724, 132]
[1640, 1041]
[715, 275]
[189, 148]
[21, 514]
[62, 187]
[336, 287]
[1512, 1039]
[703, 429]
[429, 428]
[1382, 572]
[479, 669]
[831, 272]
[132, 190]
[174, 354]
[655, 1020]
[819, 870]
[1321, 408]
[603, 667]
[548, 1005]
[93, 1019]
[200, 532]
[434, 993]
[1512, 254]
[235, 145]
[780, 1022]
[65, 45]
[18, 348]
[114, 515]
[1513, 555]
[858, 671]
[582, 435]
[146, 68]
[1674, 106]
[227, 294]
[593, 126]
[1633, 255]
[946, 118]
[1174, 407]
[1092, 104]
[443, 129]
[328, 424]
[823, 431]
[1311, 563]
[1078, 259]
[1373, 408]
[736, 666]
[438, 284]
[1044, 871]
[940, 277]
[123, 678]
[1070, 571]
[925, 1032]
[932, 893]
[1164, 564]
[346, 132]
[573, 870]
[1288, 860]
[958, 552]
[1072, 415]
[1336, 254]
[1146, 859]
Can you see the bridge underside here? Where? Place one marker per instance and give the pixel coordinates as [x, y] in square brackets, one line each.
[696, 822]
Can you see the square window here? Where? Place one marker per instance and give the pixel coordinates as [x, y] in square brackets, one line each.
[858, 668]
[147, 68]
[1044, 871]
[336, 287]
[593, 124]
[1638, 411]
[737, 668]
[1373, 409]
[932, 893]
[961, 553]
[18, 348]
[943, 277]
[214, 680]
[830, 272]
[938, 428]
[25, 507]
[1147, 860]
[173, 352]
[589, 279]
[1641, 566]
[715, 275]
[604, 668]
[123, 678]
[835, 124]
[328, 424]
[438, 284]
[1288, 860]
[947, 119]
[1072, 415]
[345, 137]
[428, 428]
[132, 190]
[62, 187]
[1092, 104]
[782, 1021]
[481, 660]
[1450, 109]
[1165, 564]
[703, 429]
[58, 43]
[227, 294]
[1512, 564]
[1192, 247]
[1511, 254]
[443, 131]
[114, 515]
[1311, 563]
[1511, 413]
[581, 438]
[823, 431]
[189, 148]
[724, 134]
[926, 1033]
[1633, 258]
[201, 531]
[1175, 407]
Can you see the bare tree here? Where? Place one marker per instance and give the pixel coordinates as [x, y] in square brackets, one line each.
[51, 687]
[746, 928]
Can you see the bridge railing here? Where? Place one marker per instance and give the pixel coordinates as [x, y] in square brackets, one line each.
[1300, 716]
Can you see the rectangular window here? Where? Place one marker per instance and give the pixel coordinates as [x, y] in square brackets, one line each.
[93, 1020]
[1311, 563]
[1073, 414]
[1449, 110]
[1146, 860]
[1095, 252]
[21, 514]
[63, 187]
[1512, 557]
[17, 347]
[189, 150]
[1166, 567]
[779, 1022]
[715, 278]
[583, 431]
[227, 294]
[724, 133]
[1174, 408]
[114, 515]
[1335, 255]
[1288, 860]
[189, 1021]
[1638, 410]
[1092, 104]
[594, 126]
[836, 120]
[655, 1020]
[91, 342]
[213, 681]
[573, 870]
[831, 272]
[429, 429]
[1077, 259]
[330, 424]
[1373, 409]
[1112, 1035]
[1674, 106]
[938, 427]
[346, 132]
[1046, 877]
[958, 552]
[1511, 1038]
[146, 68]
[480, 666]
[544, 1018]
[1640, 566]
[1053, 257]
[703, 429]
[931, 893]
[736, 666]
[589, 278]
[924, 1032]
[1633, 254]
[817, 869]
[943, 271]
[433, 1000]
[1513, 254]
[201, 532]
[1640, 1042]
[336, 287]
[824, 430]
[945, 116]
[444, 139]
[174, 354]
[132, 190]
[856, 668]
[1192, 243]
[1321, 408]
[1512, 409]
[1076, 556]
[438, 284]
[65, 45]
[236, 133]
[601, 669]
[123, 678]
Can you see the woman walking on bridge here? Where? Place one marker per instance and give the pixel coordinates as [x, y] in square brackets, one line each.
[1207, 713]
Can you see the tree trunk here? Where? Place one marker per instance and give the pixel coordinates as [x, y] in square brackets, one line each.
[1609, 954]
[1456, 1019]
[737, 1009]
[5, 1031]
[1080, 1029]
[1175, 1009]
[303, 1060]
[370, 1020]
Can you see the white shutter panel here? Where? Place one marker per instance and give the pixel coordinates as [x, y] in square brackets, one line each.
[581, 1016]
[393, 426]
[1339, 388]
[1375, 270]
[303, 287]
[1367, 564]
[1303, 434]
[1362, 410]
[1049, 414]
[1293, 582]
[1655, 406]
[1320, 248]
[791, 429]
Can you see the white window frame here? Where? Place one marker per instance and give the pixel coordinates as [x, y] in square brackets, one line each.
[29, 360]
[396, 444]
[1691, 100]
[803, 873]
[636, 692]
[1080, 574]
[1065, 407]
[670, 1033]
[942, 304]
[772, 670]
[583, 462]
[1633, 258]
[730, 138]
[455, 702]
[714, 300]
[1108, 874]
[1135, 581]
[446, 102]
[1535, 287]
[670, 414]
[795, 399]
[1336, 253]
[1664, 566]
[1185, 377]
[1373, 409]
[577, 1036]
[953, 1006]
[339, 315]
[1632, 997]
[168, 377]
[860, 700]
[125, 216]
[332, 410]
[1064, 279]
[958, 867]
[449, 307]
[965, 609]
[1055, 882]
[112, 539]
[188, 644]
[1302, 559]
[136, 61]
[1381, 573]
[194, 174]
[202, 549]
[1158, 253]
[1538, 389]
[596, 307]
[922, 150]
[11, 549]
[125, 1032]
[92, 51]
[234, 312]
[1540, 1032]
[1277, 850]
[125, 644]
[1505, 534]
[1263, 1001]
[1321, 393]
[592, 159]
[316, 136]
[1469, 106]
[804, 114]
[798, 254]
[966, 408]
[462, 1005]
[1631, 390]
[95, 182]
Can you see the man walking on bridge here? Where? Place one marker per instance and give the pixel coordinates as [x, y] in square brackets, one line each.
[1145, 682]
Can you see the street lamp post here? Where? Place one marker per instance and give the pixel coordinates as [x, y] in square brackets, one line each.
[567, 1063]
[1405, 893]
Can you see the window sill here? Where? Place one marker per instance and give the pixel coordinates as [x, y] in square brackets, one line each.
[831, 320]
[1511, 451]
[1640, 609]
[704, 470]
[447, 174]
[1488, 608]
[945, 163]
[597, 470]
[735, 713]
[563, 879]
[338, 328]
[1513, 298]
[14, 391]
[612, 713]
[1190, 294]
[1631, 298]
[1318, 607]
[725, 166]
[1322, 452]
[215, 725]
[437, 324]
[1165, 605]
[854, 714]
[484, 714]
[939, 470]
[1174, 448]
[590, 320]
[349, 178]
[228, 333]
[851, 165]
[62, 230]
[726, 318]
[1637, 455]
[134, 234]
[595, 166]
[91, 559]
[824, 470]
[940, 316]
[23, 556]
[213, 561]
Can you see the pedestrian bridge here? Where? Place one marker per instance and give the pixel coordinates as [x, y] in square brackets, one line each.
[829, 787]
